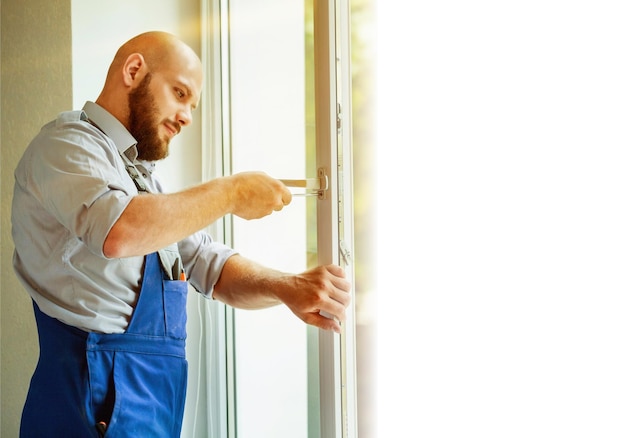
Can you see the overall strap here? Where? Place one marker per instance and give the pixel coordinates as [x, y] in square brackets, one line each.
[170, 260]
[134, 174]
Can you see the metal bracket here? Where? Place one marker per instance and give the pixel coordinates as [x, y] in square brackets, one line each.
[312, 186]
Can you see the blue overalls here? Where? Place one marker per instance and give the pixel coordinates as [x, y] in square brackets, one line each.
[131, 384]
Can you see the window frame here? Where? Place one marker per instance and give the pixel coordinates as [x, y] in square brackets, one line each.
[337, 356]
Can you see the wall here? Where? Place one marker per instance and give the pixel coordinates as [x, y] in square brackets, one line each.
[36, 85]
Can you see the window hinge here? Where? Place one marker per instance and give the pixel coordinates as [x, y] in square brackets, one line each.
[339, 115]
[345, 253]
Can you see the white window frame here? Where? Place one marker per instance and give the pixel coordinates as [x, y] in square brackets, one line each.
[337, 358]
[335, 235]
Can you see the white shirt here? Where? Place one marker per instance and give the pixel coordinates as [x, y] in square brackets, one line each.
[71, 186]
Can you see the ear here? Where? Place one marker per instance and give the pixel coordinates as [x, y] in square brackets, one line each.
[134, 68]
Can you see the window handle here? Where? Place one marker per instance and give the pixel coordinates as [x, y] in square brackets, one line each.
[312, 186]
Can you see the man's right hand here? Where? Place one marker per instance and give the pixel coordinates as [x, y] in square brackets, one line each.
[256, 194]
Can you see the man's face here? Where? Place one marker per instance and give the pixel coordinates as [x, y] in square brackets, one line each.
[144, 123]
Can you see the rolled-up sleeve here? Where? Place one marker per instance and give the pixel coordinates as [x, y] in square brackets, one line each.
[204, 259]
[80, 179]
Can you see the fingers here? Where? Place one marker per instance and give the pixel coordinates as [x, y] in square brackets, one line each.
[286, 194]
[285, 197]
[256, 194]
[323, 297]
[339, 293]
[332, 308]
[323, 322]
[339, 281]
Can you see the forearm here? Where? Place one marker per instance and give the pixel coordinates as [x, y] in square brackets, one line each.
[321, 290]
[245, 284]
[154, 221]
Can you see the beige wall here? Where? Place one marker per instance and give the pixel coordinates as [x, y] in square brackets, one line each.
[36, 85]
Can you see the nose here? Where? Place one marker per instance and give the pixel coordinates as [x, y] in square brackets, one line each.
[184, 116]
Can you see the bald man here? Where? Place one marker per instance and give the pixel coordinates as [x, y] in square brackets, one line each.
[106, 255]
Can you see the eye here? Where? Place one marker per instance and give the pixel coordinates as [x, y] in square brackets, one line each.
[180, 93]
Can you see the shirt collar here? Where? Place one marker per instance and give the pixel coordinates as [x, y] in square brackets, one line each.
[113, 128]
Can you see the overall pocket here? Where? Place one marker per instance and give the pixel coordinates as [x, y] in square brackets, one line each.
[175, 308]
[148, 394]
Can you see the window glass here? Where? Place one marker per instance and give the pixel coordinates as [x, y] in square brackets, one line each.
[270, 131]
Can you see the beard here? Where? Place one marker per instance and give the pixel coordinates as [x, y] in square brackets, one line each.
[143, 124]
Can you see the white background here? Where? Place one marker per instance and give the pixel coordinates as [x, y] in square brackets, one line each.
[502, 221]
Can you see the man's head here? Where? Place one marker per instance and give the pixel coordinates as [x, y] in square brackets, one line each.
[152, 87]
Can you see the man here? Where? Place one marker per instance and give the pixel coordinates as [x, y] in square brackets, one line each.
[106, 255]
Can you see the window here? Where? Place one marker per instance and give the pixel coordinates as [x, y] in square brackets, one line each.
[286, 107]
